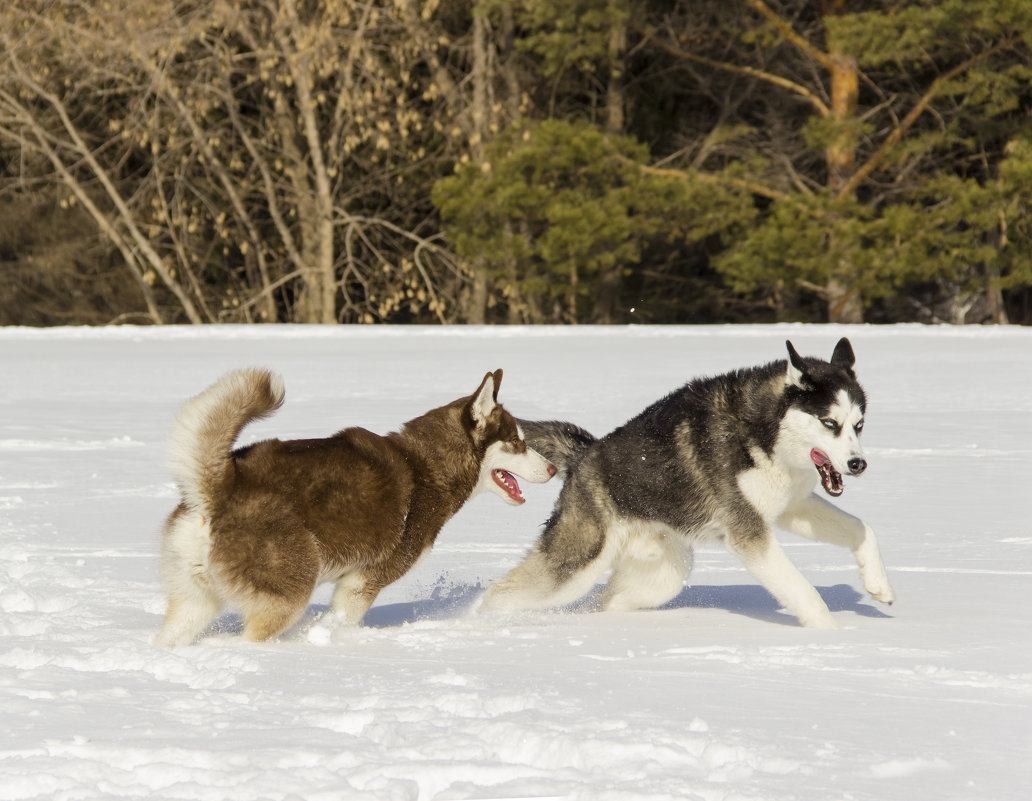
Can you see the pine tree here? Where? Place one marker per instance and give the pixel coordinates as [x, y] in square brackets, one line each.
[912, 109]
[557, 205]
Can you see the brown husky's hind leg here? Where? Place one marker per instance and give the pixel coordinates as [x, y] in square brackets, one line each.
[269, 615]
[193, 601]
[187, 617]
[271, 578]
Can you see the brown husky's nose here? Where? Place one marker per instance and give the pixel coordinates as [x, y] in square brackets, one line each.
[551, 470]
[856, 466]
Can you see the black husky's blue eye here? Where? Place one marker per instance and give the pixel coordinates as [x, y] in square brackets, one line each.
[829, 424]
[859, 427]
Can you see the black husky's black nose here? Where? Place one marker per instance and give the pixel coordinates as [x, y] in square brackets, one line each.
[856, 466]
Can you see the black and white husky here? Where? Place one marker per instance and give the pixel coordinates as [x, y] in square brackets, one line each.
[725, 458]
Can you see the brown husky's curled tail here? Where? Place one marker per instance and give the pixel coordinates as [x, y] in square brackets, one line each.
[207, 425]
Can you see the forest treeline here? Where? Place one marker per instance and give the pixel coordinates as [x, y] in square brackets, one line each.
[515, 161]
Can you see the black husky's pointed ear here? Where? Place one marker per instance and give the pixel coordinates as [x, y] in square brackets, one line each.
[796, 368]
[485, 398]
[843, 356]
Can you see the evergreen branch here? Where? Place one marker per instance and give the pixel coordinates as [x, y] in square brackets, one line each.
[786, 30]
[883, 151]
[752, 187]
[709, 178]
[716, 180]
[763, 75]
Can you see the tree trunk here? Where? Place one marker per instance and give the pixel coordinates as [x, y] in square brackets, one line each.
[509, 65]
[844, 303]
[615, 99]
[475, 311]
[997, 311]
[609, 278]
[480, 115]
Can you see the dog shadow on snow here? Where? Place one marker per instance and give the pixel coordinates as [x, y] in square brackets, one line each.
[445, 601]
[455, 600]
[752, 600]
[749, 600]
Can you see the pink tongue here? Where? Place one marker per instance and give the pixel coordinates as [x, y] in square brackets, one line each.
[831, 479]
[506, 480]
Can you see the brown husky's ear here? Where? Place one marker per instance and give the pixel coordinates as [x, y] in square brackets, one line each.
[484, 398]
[497, 382]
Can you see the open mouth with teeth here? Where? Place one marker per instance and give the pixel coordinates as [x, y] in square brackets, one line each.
[831, 479]
[507, 481]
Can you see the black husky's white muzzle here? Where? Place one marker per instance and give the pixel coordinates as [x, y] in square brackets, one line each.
[831, 479]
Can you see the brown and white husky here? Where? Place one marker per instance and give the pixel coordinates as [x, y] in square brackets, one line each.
[259, 527]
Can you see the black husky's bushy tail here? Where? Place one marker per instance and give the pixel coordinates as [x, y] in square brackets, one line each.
[563, 444]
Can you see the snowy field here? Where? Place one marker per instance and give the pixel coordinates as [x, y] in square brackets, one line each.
[717, 696]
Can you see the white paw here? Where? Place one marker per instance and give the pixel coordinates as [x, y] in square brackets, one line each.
[496, 599]
[881, 591]
[491, 602]
[321, 631]
[877, 584]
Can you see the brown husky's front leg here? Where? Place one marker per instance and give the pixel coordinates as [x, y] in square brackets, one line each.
[356, 590]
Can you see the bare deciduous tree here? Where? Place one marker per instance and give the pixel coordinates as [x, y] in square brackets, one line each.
[233, 152]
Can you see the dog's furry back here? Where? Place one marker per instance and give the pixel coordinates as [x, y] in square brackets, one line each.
[206, 427]
[562, 443]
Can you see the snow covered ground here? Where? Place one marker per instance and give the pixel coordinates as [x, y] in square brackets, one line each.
[717, 696]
